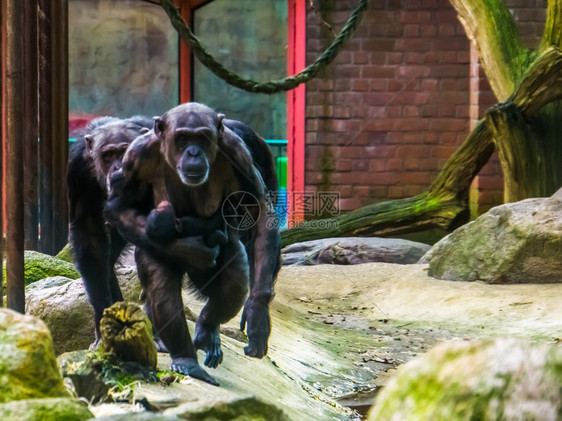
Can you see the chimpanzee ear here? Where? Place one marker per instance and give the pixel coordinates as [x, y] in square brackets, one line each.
[89, 142]
[159, 126]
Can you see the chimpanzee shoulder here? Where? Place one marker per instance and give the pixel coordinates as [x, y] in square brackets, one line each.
[261, 154]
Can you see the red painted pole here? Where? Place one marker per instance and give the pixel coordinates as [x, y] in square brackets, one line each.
[296, 117]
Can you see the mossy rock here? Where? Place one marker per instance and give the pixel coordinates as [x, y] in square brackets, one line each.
[95, 374]
[28, 368]
[66, 254]
[40, 266]
[56, 409]
[460, 381]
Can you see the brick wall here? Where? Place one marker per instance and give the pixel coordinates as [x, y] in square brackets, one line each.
[385, 116]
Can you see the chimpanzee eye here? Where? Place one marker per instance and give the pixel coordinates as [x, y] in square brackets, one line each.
[107, 156]
[181, 142]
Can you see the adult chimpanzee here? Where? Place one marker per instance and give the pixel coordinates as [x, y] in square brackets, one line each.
[204, 161]
[94, 159]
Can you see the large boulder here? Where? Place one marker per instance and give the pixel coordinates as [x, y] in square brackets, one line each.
[55, 409]
[28, 368]
[512, 243]
[503, 380]
[353, 250]
[64, 307]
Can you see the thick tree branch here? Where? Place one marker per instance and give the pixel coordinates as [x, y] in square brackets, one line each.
[491, 27]
[552, 34]
[542, 84]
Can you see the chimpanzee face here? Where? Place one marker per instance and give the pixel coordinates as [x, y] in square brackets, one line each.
[189, 134]
[107, 145]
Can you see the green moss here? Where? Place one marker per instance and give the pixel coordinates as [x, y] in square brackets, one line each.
[40, 266]
[66, 254]
[28, 368]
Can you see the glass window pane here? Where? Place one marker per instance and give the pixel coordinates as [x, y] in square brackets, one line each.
[250, 38]
[123, 58]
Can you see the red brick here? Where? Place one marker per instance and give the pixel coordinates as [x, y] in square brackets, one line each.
[343, 165]
[411, 30]
[377, 98]
[411, 111]
[411, 124]
[378, 44]
[378, 165]
[379, 178]
[351, 71]
[394, 164]
[414, 177]
[449, 124]
[415, 17]
[349, 204]
[414, 151]
[394, 58]
[361, 57]
[358, 85]
[395, 192]
[378, 72]
[447, 30]
[378, 84]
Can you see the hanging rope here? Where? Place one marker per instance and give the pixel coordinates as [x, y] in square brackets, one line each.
[271, 86]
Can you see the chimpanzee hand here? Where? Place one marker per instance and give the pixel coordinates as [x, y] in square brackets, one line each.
[162, 226]
[256, 313]
[190, 367]
[193, 251]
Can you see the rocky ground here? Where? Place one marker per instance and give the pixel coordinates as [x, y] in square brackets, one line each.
[340, 331]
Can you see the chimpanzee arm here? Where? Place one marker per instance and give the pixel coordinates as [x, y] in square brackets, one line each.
[127, 208]
[266, 248]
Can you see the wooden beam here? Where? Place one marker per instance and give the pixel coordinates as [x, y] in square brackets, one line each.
[2, 166]
[14, 123]
[45, 132]
[31, 129]
[53, 129]
[60, 123]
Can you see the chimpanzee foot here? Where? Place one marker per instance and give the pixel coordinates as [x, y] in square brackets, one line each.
[160, 347]
[208, 339]
[190, 367]
[95, 345]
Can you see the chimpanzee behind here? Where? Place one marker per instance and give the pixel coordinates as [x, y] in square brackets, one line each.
[95, 158]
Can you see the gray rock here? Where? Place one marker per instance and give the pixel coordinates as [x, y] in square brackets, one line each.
[457, 381]
[54, 409]
[28, 368]
[205, 403]
[513, 243]
[558, 194]
[353, 250]
[64, 307]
